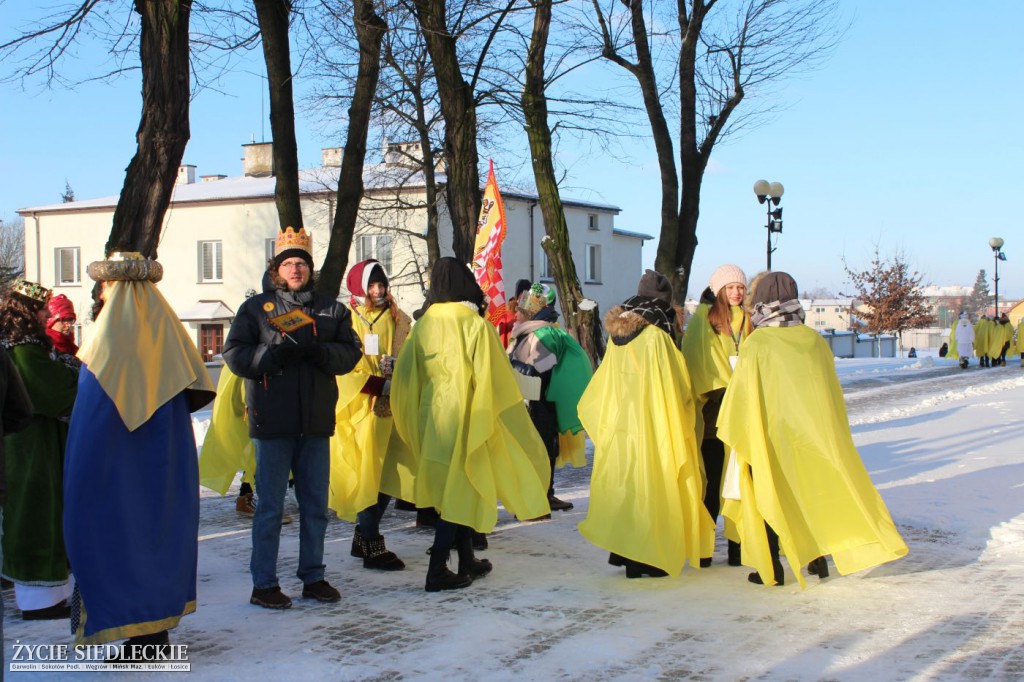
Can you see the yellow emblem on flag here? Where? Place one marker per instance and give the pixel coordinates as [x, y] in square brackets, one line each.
[290, 321]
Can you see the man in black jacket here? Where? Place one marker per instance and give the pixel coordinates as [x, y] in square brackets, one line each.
[289, 343]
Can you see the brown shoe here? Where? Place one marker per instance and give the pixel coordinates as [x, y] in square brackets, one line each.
[245, 505]
[321, 590]
[270, 598]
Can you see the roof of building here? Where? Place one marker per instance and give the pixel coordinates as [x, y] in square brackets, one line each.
[311, 181]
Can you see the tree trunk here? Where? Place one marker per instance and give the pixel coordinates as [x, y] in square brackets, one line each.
[163, 130]
[583, 323]
[273, 17]
[459, 111]
[370, 29]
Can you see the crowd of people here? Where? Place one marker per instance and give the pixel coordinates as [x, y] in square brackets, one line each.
[737, 414]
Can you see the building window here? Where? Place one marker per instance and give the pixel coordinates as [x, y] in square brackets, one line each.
[66, 266]
[376, 246]
[592, 264]
[211, 340]
[544, 271]
[211, 263]
[592, 221]
[269, 247]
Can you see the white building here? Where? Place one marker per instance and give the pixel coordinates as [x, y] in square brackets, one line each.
[219, 232]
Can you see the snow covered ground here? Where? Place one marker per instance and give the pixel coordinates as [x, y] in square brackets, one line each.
[944, 446]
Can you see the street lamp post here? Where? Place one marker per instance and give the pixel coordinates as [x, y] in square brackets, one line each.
[997, 252]
[770, 193]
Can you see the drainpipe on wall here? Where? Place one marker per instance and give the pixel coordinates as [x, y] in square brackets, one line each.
[39, 251]
[533, 245]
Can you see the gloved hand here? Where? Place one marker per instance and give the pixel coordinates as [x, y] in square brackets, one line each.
[315, 353]
[288, 354]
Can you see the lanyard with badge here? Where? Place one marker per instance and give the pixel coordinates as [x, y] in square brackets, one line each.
[736, 339]
[371, 341]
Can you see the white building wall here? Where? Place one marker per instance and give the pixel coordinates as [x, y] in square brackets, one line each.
[244, 224]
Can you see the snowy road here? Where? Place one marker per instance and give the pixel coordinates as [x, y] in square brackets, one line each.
[945, 447]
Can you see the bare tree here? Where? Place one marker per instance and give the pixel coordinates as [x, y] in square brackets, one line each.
[584, 321]
[274, 19]
[12, 251]
[892, 296]
[163, 53]
[718, 60]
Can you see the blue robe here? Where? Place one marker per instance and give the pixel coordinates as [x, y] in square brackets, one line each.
[131, 517]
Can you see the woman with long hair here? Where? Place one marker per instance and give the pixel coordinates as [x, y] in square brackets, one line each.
[35, 558]
[365, 428]
[711, 344]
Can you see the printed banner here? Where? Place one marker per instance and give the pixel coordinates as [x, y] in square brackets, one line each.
[490, 233]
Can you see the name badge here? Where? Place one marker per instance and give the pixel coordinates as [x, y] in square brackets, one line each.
[371, 344]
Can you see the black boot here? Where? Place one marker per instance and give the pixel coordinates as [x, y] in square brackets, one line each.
[773, 549]
[440, 578]
[734, 554]
[635, 569]
[426, 518]
[617, 559]
[357, 544]
[376, 555]
[479, 541]
[818, 567]
[469, 565]
[143, 648]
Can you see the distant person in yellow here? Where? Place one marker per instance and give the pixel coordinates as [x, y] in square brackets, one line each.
[711, 345]
[471, 443]
[365, 427]
[645, 492]
[802, 486]
[1001, 337]
[1020, 341]
[982, 334]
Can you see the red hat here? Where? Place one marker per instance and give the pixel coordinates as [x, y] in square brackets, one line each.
[361, 275]
[60, 309]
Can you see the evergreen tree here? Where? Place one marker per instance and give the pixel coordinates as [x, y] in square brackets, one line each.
[980, 296]
[69, 194]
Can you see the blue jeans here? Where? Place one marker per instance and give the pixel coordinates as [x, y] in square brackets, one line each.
[309, 461]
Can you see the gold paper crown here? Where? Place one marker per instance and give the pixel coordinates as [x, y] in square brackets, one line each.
[290, 239]
[31, 291]
[127, 266]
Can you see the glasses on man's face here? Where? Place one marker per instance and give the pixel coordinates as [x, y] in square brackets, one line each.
[297, 265]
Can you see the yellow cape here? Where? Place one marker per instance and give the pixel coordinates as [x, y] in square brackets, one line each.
[227, 448]
[998, 335]
[645, 489]
[361, 438]
[141, 354]
[458, 407]
[799, 470]
[1020, 337]
[982, 332]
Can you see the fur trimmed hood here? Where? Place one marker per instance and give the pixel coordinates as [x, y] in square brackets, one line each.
[622, 323]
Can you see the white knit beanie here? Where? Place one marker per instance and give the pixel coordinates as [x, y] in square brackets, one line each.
[726, 274]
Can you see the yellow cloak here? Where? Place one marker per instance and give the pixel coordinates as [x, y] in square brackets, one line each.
[227, 448]
[458, 407]
[785, 417]
[362, 438]
[982, 332]
[646, 500]
[1020, 337]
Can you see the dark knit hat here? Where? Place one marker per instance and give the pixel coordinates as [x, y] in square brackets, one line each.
[521, 286]
[655, 285]
[774, 286]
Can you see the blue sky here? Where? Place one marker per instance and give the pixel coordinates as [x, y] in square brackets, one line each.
[909, 138]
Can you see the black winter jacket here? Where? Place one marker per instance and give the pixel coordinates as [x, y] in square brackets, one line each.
[16, 410]
[285, 396]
